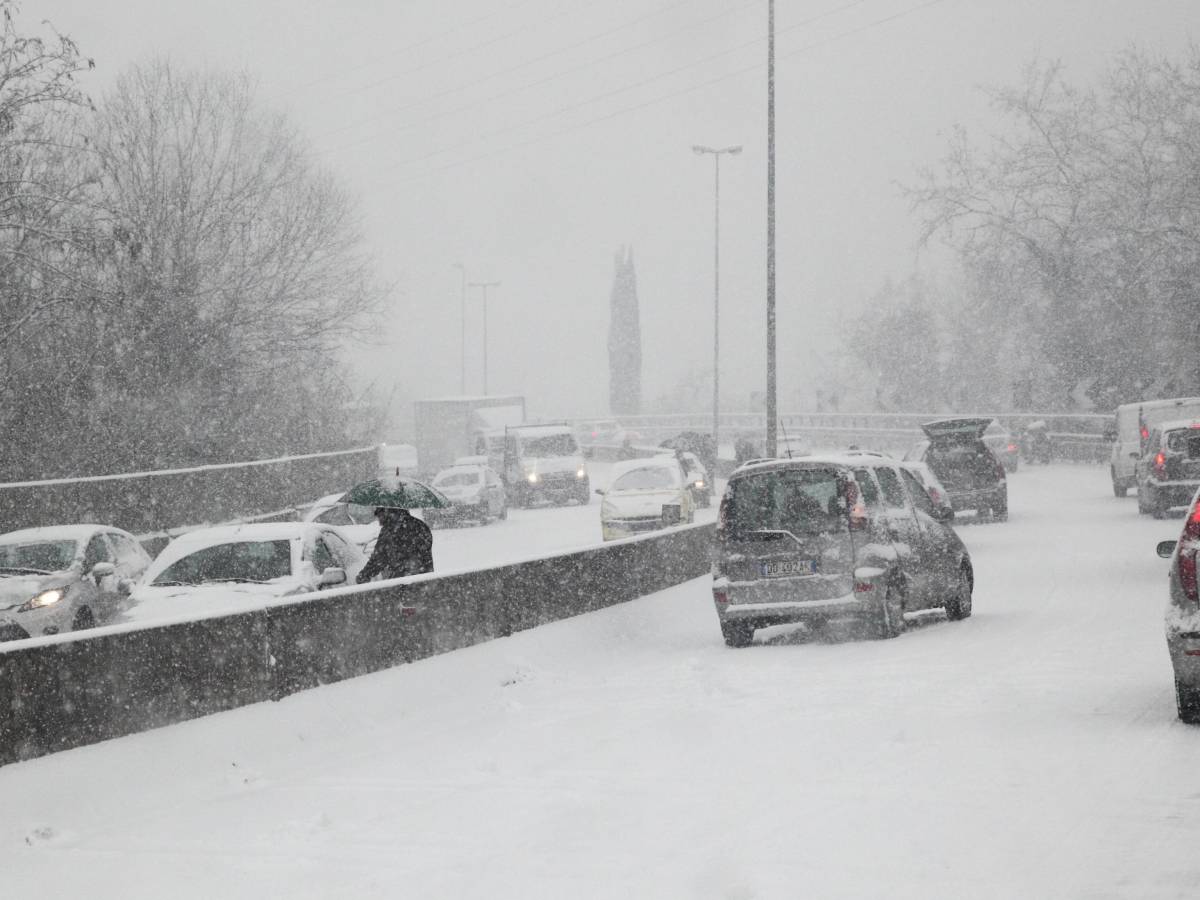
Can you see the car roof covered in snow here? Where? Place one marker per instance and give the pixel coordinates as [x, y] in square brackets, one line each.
[847, 459]
[660, 461]
[191, 541]
[56, 533]
[473, 468]
[527, 431]
[1178, 424]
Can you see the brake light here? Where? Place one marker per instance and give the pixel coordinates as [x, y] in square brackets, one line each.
[720, 596]
[935, 495]
[1012, 448]
[1160, 466]
[1145, 433]
[1187, 554]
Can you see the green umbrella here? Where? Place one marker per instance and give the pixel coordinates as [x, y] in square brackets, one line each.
[396, 494]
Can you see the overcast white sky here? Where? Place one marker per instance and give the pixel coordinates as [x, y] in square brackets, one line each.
[528, 139]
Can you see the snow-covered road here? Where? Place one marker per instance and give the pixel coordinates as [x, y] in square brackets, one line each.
[1029, 752]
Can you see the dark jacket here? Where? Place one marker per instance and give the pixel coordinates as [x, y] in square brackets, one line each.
[404, 547]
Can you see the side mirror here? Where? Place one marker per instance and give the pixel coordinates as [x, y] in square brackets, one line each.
[944, 514]
[1135, 456]
[103, 570]
[1165, 549]
[1110, 435]
[600, 491]
[331, 576]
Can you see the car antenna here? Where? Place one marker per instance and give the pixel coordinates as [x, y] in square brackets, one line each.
[787, 440]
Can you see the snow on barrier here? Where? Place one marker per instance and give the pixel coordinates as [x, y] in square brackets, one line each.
[71, 690]
[155, 501]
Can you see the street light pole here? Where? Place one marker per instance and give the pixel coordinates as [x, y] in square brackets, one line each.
[772, 445]
[716, 155]
[462, 382]
[485, 285]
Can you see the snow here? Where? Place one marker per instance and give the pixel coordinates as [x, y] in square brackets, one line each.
[1030, 751]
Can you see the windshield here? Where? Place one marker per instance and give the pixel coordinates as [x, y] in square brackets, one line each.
[242, 561]
[1184, 440]
[41, 556]
[347, 514]
[801, 501]
[550, 445]
[455, 479]
[650, 478]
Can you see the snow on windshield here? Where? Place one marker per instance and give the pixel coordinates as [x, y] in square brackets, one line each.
[44, 556]
[244, 561]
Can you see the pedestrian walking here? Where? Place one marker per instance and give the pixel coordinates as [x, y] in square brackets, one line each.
[404, 546]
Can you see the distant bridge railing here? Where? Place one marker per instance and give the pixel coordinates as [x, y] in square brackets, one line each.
[1074, 437]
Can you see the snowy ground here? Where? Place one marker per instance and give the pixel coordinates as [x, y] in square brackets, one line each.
[1029, 752]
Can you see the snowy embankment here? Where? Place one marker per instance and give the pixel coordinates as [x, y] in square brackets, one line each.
[1029, 752]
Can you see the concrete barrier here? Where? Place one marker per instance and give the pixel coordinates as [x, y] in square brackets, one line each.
[71, 690]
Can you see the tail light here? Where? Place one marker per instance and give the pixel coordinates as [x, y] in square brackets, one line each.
[936, 496]
[1012, 448]
[1160, 466]
[720, 596]
[1187, 554]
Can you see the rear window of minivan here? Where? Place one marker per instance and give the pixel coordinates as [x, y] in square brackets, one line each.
[800, 501]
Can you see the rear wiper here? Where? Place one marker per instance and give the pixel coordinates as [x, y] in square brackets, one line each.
[23, 570]
[171, 583]
[235, 581]
[770, 534]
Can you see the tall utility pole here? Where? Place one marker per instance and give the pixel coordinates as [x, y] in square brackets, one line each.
[716, 155]
[462, 383]
[772, 445]
[485, 285]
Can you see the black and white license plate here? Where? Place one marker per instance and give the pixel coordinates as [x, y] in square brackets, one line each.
[783, 568]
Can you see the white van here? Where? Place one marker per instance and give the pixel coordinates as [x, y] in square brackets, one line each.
[1133, 424]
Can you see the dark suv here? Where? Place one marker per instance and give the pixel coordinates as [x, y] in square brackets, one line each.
[828, 537]
[1168, 471]
[972, 474]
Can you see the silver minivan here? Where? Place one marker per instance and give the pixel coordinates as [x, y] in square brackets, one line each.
[831, 537]
[1131, 429]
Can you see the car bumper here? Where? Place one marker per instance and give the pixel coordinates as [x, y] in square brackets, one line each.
[1184, 649]
[1170, 494]
[774, 603]
[978, 499]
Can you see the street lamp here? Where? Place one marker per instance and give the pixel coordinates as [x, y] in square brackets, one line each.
[772, 423]
[485, 285]
[462, 381]
[716, 155]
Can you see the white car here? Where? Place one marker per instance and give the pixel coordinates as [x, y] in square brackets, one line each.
[65, 578]
[645, 495]
[224, 569]
[356, 522]
[476, 492]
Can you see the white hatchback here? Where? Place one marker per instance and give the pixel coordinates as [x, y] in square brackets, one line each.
[65, 578]
[230, 568]
[645, 495]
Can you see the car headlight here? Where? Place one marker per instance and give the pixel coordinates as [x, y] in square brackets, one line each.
[582, 473]
[45, 598]
[699, 483]
[532, 477]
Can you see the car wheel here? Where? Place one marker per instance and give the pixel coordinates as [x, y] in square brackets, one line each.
[890, 622]
[84, 619]
[737, 634]
[958, 606]
[1119, 490]
[1187, 701]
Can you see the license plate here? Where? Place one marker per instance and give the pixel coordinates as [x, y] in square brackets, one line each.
[783, 568]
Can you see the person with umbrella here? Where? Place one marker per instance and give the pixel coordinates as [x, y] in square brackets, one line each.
[404, 546]
[405, 543]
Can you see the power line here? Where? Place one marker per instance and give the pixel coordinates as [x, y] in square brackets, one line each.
[664, 97]
[414, 46]
[624, 89]
[530, 62]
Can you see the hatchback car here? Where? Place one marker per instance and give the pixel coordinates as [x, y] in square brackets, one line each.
[1183, 615]
[65, 578]
[476, 492]
[974, 478]
[645, 495]
[213, 570]
[831, 537]
[1168, 471]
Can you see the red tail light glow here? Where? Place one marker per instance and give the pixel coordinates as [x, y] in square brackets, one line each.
[1160, 466]
[1187, 554]
[720, 596]
[861, 587]
[1012, 448]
